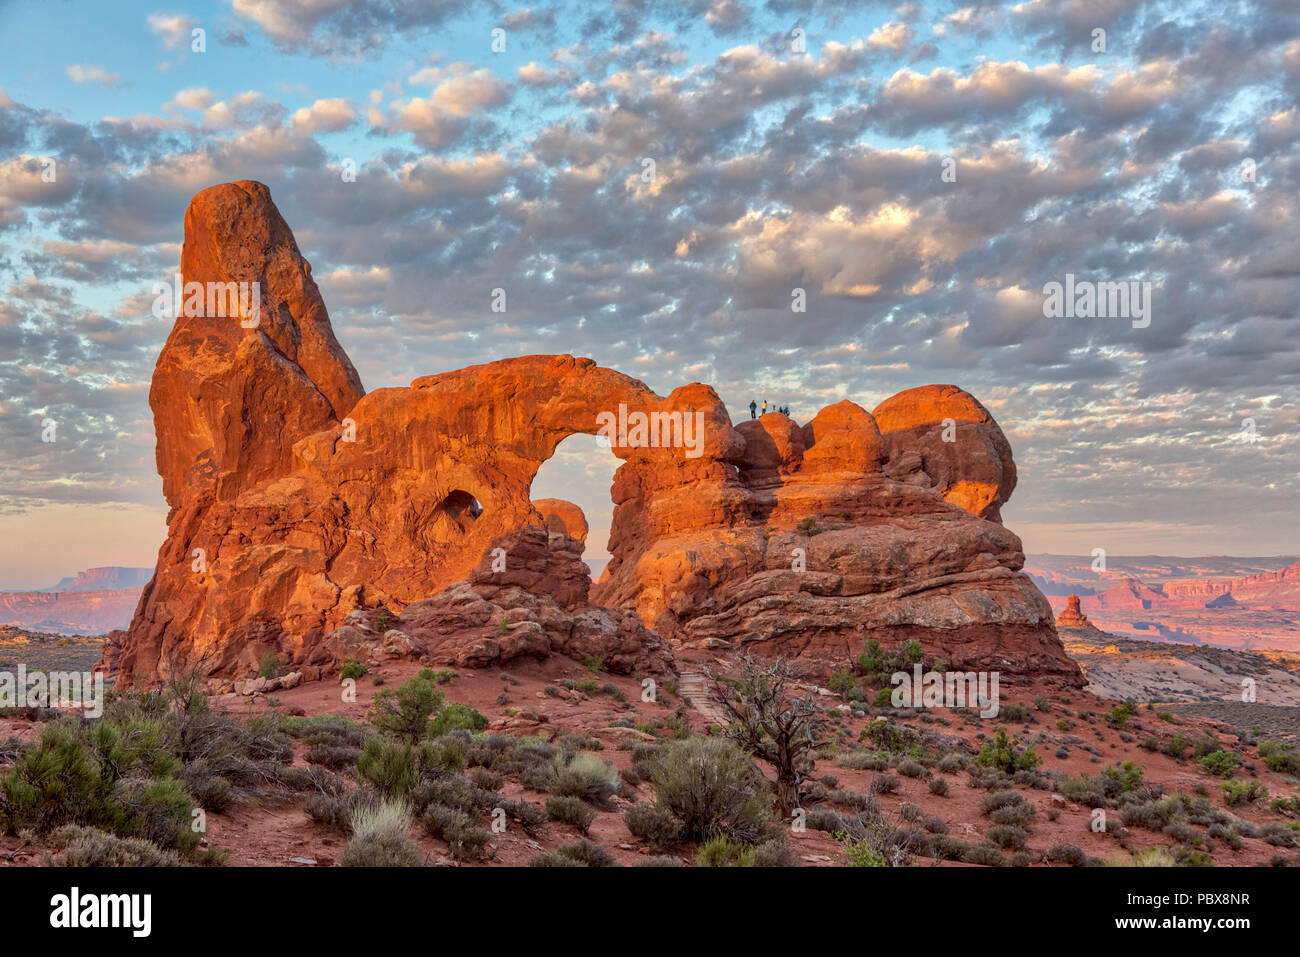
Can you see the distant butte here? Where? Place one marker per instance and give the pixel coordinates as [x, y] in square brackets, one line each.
[317, 522]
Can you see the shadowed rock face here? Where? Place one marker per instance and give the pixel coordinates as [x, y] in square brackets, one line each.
[304, 511]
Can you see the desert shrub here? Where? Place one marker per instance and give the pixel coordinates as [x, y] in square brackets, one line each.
[775, 853]
[653, 824]
[405, 712]
[588, 777]
[454, 791]
[379, 838]
[1010, 836]
[1120, 778]
[1014, 814]
[487, 780]
[456, 717]
[911, 769]
[862, 853]
[465, 839]
[883, 784]
[985, 854]
[854, 799]
[1152, 815]
[721, 851]
[1278, 835]
[824, 819]
[1225, 833]
[863, 761]
[1243, 792]
[1084, 790]
[90, 847]
[934, 825]
[1000, 799]
[332, 756]
[1001, 753]
[709, 785]
[336, 811]
[157, 810]
[1175, 746]
[1279, 757]
[1016, 713]
[570, 810]
[588, 852]
[1118, 716]
[659, 860]
[843, 683]
[1220, 763]
[553, 859]
[443, 755]
[951, 764]
[939, 786]
[1067, 854]
[530, 816]
[352, 669]
[389, 766]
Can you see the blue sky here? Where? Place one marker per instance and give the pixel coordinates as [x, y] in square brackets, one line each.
[775, 169]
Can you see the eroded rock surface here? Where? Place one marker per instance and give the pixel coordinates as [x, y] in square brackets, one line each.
[304, 511]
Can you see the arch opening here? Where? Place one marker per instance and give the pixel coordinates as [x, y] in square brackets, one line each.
[581, 471]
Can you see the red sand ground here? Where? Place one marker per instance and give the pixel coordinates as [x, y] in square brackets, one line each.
[275, 834]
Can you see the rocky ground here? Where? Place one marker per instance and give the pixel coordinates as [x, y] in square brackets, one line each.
[1069, 730]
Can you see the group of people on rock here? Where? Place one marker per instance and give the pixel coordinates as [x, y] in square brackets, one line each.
[753, 408]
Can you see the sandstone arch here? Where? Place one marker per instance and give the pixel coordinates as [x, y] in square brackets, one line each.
[309, 500]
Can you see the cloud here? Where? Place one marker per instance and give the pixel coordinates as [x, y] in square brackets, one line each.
[93, 74]
[324, 116]
[174, 28]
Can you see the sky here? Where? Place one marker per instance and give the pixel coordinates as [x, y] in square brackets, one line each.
[922, 171]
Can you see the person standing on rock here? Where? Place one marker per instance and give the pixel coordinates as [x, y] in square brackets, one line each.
[765, 406]
[752, 406]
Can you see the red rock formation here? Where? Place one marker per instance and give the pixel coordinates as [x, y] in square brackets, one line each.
[314, 508]
[940, 437]
[1072, 616]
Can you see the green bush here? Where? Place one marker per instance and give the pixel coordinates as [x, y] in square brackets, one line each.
[1001, 753]
[709, 785]
[352, 669]
[456, 717]
[1279, 757]
[1121, 778]
[1220, 763]
[389, 766]
[842, 682]
[860, 853]
[405, 712]
[1243, 792]
[721, 851]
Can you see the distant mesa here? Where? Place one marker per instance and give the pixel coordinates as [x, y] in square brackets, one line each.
[108, 578]
[333, 523]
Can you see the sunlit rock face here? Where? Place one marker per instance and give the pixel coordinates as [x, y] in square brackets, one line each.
[302, 506]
